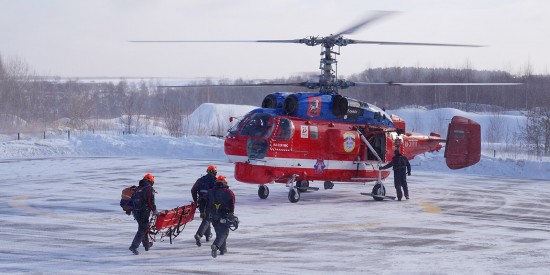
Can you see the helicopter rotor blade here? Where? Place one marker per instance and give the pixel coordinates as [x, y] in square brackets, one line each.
[299, 84]
[353, 41]
[368, 20]
[217, 41]
[390, 83]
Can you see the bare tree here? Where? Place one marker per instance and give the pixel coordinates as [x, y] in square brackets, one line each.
[534, 133]
[173, 112]
[494, 130]
[130, 118]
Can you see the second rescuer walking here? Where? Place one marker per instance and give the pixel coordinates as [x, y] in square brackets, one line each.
[220, 210]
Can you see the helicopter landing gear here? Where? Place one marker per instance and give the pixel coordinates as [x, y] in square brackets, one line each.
[328, 185]
[293, 195]
[379, 192]
[263, 191]
[295, 190]
[302, 185]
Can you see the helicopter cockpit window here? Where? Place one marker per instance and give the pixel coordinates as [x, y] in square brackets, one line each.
[285, 129]
[258, 125]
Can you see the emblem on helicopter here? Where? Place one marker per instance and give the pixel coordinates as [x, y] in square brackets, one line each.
[349, 141]
[319, 166]
[314, 108]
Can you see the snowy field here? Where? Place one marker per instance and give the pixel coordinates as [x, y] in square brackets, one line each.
[59, 214]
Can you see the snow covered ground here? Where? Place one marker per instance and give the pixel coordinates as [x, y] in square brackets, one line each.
[60, 215]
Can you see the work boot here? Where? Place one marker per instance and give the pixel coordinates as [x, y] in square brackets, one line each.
[214, 250]
[148, 246]
[407, 197]
[134, 250]
[224, 251]
[208, 237]
[198, 240]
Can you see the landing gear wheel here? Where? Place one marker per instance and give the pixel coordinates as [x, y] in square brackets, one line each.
[293, 195]
[302, 185]
[263, 192]
[376, 190]
[328, 185]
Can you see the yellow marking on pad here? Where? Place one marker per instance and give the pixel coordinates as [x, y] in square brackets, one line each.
[429, 207]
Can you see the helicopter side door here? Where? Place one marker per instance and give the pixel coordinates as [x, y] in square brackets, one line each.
[257, 130]
[281, 139]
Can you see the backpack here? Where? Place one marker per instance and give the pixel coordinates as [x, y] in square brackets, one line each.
[205, 183]
[218, 209]
[131, 198]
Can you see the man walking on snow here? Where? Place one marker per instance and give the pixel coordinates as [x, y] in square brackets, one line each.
[199, 191]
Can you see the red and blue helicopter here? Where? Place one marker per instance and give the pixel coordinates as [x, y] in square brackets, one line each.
[298, 138]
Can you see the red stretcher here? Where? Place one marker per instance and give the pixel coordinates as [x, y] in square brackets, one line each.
[171, 222]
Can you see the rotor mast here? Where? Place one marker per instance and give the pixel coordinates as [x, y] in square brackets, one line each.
[328, 82]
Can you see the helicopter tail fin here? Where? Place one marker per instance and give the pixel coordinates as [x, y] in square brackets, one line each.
[463, 147]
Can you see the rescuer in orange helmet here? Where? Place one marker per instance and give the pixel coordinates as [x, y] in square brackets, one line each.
[143, 204]
[220, 210]
[199, 193]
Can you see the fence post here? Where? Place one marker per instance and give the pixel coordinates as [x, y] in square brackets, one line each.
[44, 134]
[69, 134]
[18, 136]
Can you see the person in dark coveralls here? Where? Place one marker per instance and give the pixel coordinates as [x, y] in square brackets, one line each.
[143, 205]
[220, 209]
[401, 168]
[199, 193]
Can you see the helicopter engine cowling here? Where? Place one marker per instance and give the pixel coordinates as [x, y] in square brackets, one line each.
[333, 107]
[275, 100]
[339, 105]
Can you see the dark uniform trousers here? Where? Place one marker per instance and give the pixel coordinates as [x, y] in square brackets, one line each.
[400, 181]
[142, 218]
[204, 228]
[222, 232]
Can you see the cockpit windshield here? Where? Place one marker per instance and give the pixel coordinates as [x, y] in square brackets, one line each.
[258, 125]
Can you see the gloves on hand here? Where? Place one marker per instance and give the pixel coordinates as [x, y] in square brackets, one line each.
[128, 212]
[230, 216]
[203, 215]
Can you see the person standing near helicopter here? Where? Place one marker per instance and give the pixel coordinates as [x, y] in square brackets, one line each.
[401, 168]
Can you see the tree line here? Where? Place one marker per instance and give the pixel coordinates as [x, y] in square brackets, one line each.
[26, 97]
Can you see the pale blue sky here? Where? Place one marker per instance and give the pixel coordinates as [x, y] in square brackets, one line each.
[89, 37]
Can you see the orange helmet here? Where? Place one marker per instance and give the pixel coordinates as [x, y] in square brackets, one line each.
[221, 179]
[212, 169]
[149, 177]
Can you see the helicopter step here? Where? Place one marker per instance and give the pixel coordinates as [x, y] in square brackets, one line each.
[379, 196]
